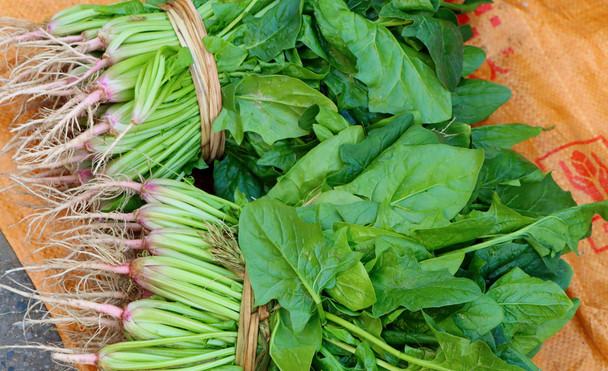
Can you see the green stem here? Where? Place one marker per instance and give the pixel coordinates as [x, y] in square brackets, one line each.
[169, 341]
[382, 345]
[237, 19]
[488, 243]
[352, 350]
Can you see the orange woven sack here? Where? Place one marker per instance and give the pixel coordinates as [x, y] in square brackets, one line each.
[553, 54]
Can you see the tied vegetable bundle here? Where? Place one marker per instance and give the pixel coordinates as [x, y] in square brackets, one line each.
[186, 262]
[118, 95]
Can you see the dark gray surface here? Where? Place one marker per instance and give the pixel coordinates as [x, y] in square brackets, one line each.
[12, 310]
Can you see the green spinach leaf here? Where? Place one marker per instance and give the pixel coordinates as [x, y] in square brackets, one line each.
[475, 100]
[289, 259]
[397, 82]
[274, 31]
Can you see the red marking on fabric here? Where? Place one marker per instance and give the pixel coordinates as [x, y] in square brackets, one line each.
[483, 8]
[576, 143]
[582, 183]
[463, 18]
[507, 52]
[595, 248]
[475, 33]
[494, 68]
[495, 21]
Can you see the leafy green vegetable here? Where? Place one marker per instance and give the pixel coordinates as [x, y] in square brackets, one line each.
[466, 7]
[460, 354]
[399, 281]
[536, 199]
[503, 136]
[290, 260]
[259, 104]
[529, 337]
[408, 5]
[423, 191]
[274, 31]
[307, 175]
[474, 57]
[527, 300]
[356, 157]
[475, 100]
[354, 289]
[441, 37]
[291, 350]
[397, 81]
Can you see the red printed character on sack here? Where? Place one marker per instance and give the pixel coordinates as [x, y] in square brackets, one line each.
[578, 167]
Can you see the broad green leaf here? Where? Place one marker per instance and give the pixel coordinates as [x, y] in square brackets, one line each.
[426, 191]
[529, 337]
[475, 100]
[350, 93]
[131, 7]
[478, 317]
[467, 7]
[561, 232]
[396, 81]
[536, 199]
[228, 57]
[505, 166]
[354, 289]
[408, 5]
[503, 136]
[513, 357]
[284, 155]
[231, 174]
[441, 37]
[474, 57]
[359, 212]
[495, 261]
[366, 359]
[399, 282]
[307, 175]
[331, 120]
[309, 37]
[291, 350]
[460, 354]
[289, 259]
[527, 300]
[450, 262]
[274, 31]
[356, 157]
[453, 133]
[362, 238]
[259, 104]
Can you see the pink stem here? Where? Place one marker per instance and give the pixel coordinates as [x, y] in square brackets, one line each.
[65, 179]
[25, 37]
[96, 67]
[118, 269]
[108, 309]
[80, 359]
[133, 244]
[71, 39]
[130, 217]
[91, 45]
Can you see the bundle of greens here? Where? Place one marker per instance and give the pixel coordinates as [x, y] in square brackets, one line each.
[120, 97]
[191, 321]
[373, 59]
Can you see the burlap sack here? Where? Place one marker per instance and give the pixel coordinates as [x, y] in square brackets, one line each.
[553, 54]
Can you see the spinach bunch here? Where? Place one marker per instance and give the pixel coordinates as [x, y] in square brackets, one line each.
[322, 65]
[393, 235]
[447, 254]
